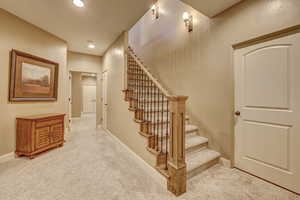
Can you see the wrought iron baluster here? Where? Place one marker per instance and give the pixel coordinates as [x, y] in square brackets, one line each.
[162, 120]
[167, 136]
[157, 125]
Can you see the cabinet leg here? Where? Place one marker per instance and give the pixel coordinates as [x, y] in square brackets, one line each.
[31, 157]
[18, 154]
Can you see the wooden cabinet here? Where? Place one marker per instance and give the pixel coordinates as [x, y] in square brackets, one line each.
[39, 133]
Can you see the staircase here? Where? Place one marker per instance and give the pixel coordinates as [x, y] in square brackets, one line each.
[180, 152]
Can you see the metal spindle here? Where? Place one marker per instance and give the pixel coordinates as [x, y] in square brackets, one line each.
[143, 96]
[157, 125]
[162, 120]
[154, 117]
[151, 108]
[135, 87]
[167, 135]
[139, 89]
[148, 89]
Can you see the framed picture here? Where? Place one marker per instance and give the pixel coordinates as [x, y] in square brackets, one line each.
[32, 78]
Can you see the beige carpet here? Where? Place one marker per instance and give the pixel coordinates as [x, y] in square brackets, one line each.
[93, 166]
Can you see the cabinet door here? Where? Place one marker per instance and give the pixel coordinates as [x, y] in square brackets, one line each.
[57, 134]
[42, 138]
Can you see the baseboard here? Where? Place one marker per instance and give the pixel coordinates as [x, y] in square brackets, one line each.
[7, 157]
[225, 162]
[156, 175]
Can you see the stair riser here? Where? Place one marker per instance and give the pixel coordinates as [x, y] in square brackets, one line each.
[196, 147]
[202, 168]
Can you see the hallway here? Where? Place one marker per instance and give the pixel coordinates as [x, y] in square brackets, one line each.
[92, 165]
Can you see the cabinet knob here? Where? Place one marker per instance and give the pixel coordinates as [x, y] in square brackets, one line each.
[237, 113]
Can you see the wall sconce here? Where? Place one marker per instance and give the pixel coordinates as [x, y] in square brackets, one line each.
[188, 20]
[155, 11]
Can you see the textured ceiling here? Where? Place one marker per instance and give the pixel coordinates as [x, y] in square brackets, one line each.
[101, 21]
[211, 8]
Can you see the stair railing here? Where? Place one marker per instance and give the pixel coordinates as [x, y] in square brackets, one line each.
[162, 119]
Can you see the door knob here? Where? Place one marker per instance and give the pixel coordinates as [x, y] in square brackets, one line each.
[237, 113]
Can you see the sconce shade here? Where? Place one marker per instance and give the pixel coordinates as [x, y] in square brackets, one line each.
[188, 20]
[155, 11]
[185, 16]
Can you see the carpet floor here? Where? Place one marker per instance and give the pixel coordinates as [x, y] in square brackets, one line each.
[93, 166]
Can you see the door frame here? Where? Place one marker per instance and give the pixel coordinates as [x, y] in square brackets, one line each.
[104, 107]
[70, 101]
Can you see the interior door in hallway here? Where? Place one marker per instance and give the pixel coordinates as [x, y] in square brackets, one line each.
[70, 101]
[89, 99]
[267, 97]
[104, 99]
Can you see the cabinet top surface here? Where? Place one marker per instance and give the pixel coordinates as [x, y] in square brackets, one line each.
[41, 116]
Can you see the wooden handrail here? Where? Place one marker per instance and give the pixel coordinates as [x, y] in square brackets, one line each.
[160, 87]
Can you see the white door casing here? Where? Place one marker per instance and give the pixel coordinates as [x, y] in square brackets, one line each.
[267, 95]
[104, 99]
[70, 100]
[89, 98]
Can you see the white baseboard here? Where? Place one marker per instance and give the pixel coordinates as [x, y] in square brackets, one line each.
[7, 157]
[156, 175]
[225, 162]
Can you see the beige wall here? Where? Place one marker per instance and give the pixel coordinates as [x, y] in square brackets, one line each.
[83, 62]
[89, 80]
[199, 64]
[78, 62]
[76, 94]
[119, 118]
[17, 34]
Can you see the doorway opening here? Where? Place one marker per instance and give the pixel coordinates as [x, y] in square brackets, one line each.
[84, 94]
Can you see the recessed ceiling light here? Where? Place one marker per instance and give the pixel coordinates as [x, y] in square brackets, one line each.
[78, 3]
[91, 45]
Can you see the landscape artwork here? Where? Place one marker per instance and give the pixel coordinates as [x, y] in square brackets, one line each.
[35, 79]
[32, 78]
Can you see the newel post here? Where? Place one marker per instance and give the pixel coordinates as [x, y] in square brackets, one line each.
[176, 155]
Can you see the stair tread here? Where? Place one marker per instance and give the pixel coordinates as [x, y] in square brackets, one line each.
[200, 157]
[194, 140]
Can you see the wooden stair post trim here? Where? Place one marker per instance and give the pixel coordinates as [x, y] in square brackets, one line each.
[141, 65]
[176, 155]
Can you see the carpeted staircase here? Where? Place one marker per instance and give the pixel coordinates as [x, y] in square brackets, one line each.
[157, 112]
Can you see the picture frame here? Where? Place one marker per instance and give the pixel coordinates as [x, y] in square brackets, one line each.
[32, 78]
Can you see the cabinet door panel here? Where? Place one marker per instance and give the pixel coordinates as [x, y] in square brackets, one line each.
[56, 133]
[42, 138]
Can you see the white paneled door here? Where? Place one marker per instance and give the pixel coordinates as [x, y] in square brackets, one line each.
[89, 99]
[267, 109]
